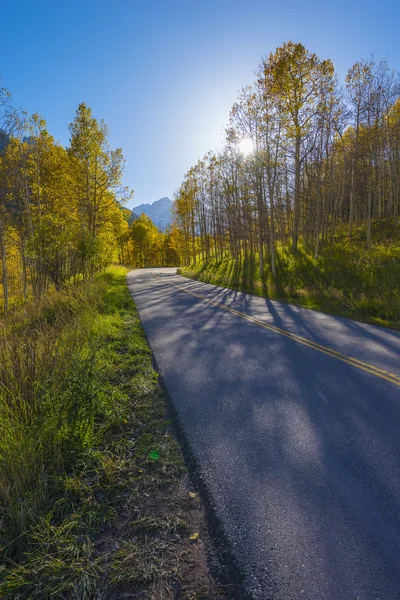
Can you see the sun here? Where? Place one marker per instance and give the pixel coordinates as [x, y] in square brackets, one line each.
[246, 146]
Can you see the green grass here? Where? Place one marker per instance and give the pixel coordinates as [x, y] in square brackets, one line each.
[346, 279]
[88, 466]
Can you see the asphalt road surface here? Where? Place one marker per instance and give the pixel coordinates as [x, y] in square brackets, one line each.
[294, 418]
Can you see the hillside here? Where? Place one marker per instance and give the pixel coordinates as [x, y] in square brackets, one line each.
[346, 279]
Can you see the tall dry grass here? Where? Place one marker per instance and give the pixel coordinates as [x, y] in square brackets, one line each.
[46, 401]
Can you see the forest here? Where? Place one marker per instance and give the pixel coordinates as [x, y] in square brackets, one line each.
[62, 215]
[60, 207]
[303, 199]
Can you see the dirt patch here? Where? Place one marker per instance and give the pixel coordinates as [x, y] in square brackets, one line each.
[157, 549]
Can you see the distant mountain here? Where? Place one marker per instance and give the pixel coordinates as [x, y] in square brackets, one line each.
[126, 212]
[133, 217]
[159, 212]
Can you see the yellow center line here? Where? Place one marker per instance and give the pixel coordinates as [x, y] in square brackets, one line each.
[355, 362]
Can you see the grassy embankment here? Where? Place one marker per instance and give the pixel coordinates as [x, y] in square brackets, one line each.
[346, 279]
[92, 503]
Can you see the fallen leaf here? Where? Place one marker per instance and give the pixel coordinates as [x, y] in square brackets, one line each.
[192, 495]
[194, 536]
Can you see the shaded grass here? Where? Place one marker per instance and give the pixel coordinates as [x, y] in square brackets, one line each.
[89, 469]
[345, 280]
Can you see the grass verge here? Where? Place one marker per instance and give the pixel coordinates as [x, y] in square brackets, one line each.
[94, 495]
[345, 280]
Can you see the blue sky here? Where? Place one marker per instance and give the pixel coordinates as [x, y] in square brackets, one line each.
[164, 74]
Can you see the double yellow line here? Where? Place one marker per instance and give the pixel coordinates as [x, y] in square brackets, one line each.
[387, 375]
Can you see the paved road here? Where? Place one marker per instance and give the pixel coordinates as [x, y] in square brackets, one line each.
[299, 447]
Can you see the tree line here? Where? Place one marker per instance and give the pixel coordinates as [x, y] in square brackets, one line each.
[147, 246]
[322, 157]
[61, 209]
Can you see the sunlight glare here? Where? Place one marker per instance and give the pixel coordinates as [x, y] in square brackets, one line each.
[246, 146]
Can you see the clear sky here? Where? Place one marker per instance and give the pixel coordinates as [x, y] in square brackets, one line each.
[164, 74]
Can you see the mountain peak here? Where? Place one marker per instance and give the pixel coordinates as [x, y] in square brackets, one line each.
[159, 212]
[163, 201]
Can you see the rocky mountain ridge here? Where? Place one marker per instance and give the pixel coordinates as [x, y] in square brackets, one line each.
[159, 212]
